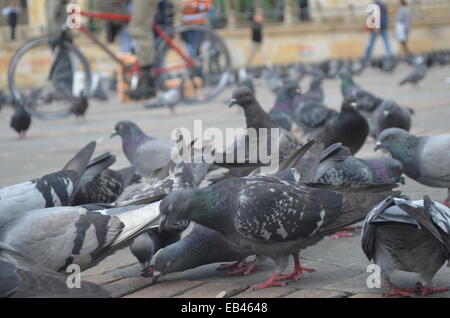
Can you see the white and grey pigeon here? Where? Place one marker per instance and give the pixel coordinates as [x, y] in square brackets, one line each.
[425, 159]
[272, 218]
[20, 277]
[51, 190]
[149, 156]
[410, 236]
[85, 235]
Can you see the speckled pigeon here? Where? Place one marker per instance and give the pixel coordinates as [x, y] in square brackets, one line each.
[425, 159]
[349, 128]
[58, 237]
[20, 277]
[411, 236]
[272, 218]
[51, 190]
[149, 156]
[337, 165]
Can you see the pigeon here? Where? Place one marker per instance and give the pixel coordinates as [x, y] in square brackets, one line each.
[417, 74]
[388, 115]
[315, 92]
[365, 101]
[411, 236]
[79, 106]
[349, 128]
[150, 242]
[149, 156]
[169, 99]
[272, 218]
[287, 97]
[201, 246]
[425, 159]
[51, 190]
[84, 235]
[312, 116]
[20, 277]
[98, 184]
[274, 82]
[337, 165]
[20, 121]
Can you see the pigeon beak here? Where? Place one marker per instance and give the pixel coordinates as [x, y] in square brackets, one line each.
[378, 146]
[114, 134]
[233, 101]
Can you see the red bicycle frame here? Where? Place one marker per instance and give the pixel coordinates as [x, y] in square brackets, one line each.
[158, 30]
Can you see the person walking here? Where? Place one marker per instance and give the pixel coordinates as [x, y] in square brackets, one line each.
[382, 30]
[257, 41]
[403, 26]
[12, 13]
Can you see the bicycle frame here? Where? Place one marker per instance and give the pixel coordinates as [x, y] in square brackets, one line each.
[158, 30]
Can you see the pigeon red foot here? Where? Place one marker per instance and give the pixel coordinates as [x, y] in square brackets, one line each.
[446, 202]
[397, 291]
[271, 282]
[230, 266]
[427, 291]
[247, 269]
[297, 273]
[148, 272]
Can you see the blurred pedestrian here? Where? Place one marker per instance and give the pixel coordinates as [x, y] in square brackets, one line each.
[195, 12]
[382, 30]
[257, 41]
[403, 26]
[12, 13]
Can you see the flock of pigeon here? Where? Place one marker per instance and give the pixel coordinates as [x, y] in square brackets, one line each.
[175, 215]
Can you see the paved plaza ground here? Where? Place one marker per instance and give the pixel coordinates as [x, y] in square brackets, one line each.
[339, 263]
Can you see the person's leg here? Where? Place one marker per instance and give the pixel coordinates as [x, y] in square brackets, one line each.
[253, 50]
[13, 32]
[265, 56]
[141, 29]
[372, 39]
[387, 43]
[56, 15]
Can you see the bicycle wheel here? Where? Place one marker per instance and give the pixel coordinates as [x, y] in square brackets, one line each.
[208, 77]
[45, 80]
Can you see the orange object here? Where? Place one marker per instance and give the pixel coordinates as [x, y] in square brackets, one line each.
[122, 85]
[195, 11]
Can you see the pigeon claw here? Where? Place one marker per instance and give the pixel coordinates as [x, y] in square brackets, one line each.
[271, 282]
[397, 291]
[244, 267]
[424, 291]
[230, 266]
[148, 272]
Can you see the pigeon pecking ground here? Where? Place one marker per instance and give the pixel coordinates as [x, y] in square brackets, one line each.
[340, 264]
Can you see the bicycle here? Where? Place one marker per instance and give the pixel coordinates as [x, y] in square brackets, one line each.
[68, 72]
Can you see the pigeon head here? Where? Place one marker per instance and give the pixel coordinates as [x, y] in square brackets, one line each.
[175, 209]
[170, 259]
[347, 107]
[388, 170]
[393, 138]
[243, 97]
[126, 129]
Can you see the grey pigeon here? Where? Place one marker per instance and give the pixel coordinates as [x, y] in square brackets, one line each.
[337, 165]
[282, 111]
[245, 80]
[20, 277]
[20, 121]
[98, 184]
[149, 156]
[410, 236]
[79, 106]
[315, 91]
[169, 99]
[425, 159]
[417, 74]
[312, 116]
[366, 102]
[201, 246]
[272, 218]
[58, 237]
[388, 115]
[274, 82]
[51, 190]
[349, 128]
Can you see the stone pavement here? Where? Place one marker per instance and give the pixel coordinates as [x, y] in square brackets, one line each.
[340, 264]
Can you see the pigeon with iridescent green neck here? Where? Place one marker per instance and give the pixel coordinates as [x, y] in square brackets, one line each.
[425, 159]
